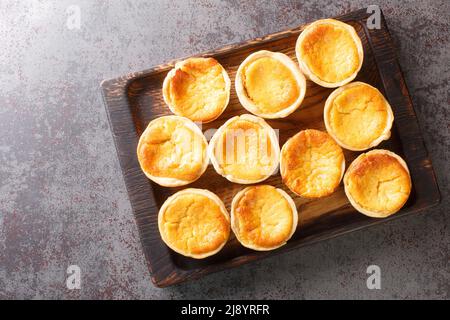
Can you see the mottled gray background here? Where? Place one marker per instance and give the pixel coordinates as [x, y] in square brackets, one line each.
[62, 197]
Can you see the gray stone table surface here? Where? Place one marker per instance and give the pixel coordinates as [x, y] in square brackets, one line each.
[62, 197]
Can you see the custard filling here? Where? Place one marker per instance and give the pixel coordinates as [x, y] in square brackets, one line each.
[313, 164]
[263, 217]
[379, 183]
[198, 89]
[171, 149]
[244, 151]
[270, 85]
[358, 116]
[195, 224]
[330, 53]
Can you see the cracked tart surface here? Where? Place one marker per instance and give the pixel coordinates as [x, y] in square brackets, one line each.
[198, 89]
[377, 183]
[172, 151]
[312, 164]
[329, 52]
[263, 217]
[194, 223]
[358, 116]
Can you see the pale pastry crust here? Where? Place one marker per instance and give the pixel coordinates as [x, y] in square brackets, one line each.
[198, 89]
[155, 135]
[240, 123]
[377, 183]
[194, 223]
[296, 91]
[263, 217]
[375, 111]
[311, 50]
[312, 164]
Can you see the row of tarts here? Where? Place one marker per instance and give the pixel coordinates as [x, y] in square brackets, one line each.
[173, 151]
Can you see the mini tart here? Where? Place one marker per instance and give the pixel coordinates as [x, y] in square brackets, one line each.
[194, 223]
[244, 150]
[312, 164]
[270, 85]
[172, 151]
[329, 53]
[377, 183]
[358, 116]
[198, 89]
[263, 217]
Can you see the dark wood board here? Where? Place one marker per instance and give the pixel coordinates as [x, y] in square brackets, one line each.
[133, 100]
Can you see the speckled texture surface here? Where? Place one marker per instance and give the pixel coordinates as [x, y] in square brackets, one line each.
[62, 197]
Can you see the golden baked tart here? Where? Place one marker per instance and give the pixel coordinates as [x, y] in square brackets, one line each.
[329, 52]
[263, 217]
[244, 150]
[270, 85]
[377, 183]
[358, 116]
[172, 151]
[194, 223]
[198, 89]
[312, 164]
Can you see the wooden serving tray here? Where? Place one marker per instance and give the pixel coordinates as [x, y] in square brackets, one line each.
[133, 100]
